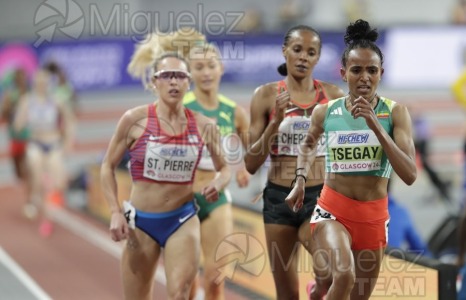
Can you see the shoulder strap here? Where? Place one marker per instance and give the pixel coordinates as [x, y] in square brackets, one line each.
[281, 86]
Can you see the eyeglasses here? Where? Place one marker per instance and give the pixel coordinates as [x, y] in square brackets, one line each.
[169, 74]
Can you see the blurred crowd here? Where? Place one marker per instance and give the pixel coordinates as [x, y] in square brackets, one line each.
[294, 12]
[39, 110]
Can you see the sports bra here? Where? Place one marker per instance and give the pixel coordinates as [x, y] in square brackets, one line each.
[42, 115]
[295, 125]
[224, 117]
[160, 157]
[352, 147]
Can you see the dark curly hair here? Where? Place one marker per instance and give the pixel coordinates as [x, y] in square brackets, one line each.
[360, 35]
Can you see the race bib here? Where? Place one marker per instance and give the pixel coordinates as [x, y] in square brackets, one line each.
[320, 215]
[354, 151]
[291, 135]
[170, 162]
[130, 214]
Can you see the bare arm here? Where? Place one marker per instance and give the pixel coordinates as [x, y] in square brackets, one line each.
[211, 137]
[20, 118]
[306, 157]
[400, 150]
[242, 126]
[308, 149]
[5, 110]
[242, 123]
[115, 152]
[68, 125]
[261, 130]
[113, 156]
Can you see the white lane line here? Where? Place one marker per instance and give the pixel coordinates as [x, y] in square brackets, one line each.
[95, 237]
[102, 241]
[22, 276]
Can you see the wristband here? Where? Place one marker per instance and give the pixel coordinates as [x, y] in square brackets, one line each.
[299, 175]
[296, 172]
[296, 177]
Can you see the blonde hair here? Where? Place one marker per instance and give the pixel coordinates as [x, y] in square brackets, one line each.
[157, 44]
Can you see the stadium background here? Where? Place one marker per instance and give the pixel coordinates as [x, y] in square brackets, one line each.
[93, 41]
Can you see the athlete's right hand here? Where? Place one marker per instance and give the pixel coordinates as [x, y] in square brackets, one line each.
[118, 227]
[282, 102]
[296, 196]
[210, 192]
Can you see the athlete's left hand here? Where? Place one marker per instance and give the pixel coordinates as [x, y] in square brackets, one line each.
[210, 193]
[362, 108]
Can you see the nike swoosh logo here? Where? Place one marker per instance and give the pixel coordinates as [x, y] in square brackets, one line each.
[291, 109]
[183, 219]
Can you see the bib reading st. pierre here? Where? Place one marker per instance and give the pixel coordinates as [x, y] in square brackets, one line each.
[170, 162]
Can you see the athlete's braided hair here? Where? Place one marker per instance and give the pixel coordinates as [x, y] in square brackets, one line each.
[360, 35]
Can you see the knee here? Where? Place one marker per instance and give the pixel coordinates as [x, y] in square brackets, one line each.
[213, 290]
[194, 289]
[213, 285]
[344, 279]
[180, 290]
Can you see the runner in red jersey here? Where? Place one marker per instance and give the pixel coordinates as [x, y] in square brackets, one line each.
[165, 141]
[280, 117]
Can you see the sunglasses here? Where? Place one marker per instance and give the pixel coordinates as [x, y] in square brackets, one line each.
[169, 74]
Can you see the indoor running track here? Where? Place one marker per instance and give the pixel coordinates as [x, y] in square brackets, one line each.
[78, 261]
